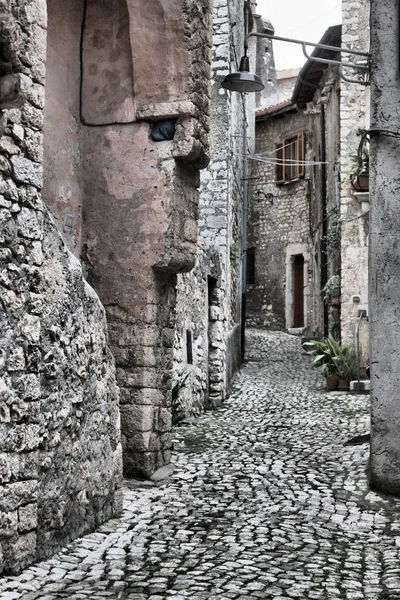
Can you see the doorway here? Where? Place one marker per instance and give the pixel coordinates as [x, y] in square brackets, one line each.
[298, 291]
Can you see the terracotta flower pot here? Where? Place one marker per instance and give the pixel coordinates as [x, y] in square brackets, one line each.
[332, 383]
[343, 385]
[360, 182]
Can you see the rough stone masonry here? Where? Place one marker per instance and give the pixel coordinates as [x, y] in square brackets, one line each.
[60, 457]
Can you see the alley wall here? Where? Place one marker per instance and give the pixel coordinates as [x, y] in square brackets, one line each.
[354, 218]
[60, 451]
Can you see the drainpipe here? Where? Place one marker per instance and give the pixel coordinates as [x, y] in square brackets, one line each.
[244, 227]
[324, 256]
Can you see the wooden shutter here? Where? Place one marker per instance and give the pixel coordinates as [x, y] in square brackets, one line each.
[300, 154]
[279, 172]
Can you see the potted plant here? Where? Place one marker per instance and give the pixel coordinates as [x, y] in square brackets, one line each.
[337, 362]
[346, 366]
[359, 171]
[331, 290]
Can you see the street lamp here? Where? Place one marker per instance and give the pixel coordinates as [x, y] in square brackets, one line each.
[243, 80]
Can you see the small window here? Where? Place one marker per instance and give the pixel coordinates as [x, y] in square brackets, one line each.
[290, 158]
[189, 347]
[250, 266]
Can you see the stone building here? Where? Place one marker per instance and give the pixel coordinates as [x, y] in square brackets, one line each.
[294, 204]
[125, 185]
[209, 327]
[110, 137]
[384, 248]
[309, 225]
[286, 79]
[60, 457]
[354, 221]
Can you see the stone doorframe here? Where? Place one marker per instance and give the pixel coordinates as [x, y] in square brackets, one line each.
[293, 250]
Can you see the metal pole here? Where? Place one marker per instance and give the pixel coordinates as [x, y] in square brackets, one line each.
[244, 227]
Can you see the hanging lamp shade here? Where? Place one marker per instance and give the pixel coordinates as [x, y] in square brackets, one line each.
[243, 80]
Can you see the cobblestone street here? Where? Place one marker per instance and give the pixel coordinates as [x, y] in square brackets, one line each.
[265, 502]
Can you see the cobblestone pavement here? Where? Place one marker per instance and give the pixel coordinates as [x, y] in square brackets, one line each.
[265, 502]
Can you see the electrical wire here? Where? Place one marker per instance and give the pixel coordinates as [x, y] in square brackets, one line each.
[344, 220]
[311, 20]
[377, 131]
[289, 163]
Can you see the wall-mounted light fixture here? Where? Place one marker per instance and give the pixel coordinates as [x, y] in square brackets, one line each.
[243, 80]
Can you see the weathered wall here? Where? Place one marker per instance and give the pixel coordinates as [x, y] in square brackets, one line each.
[61, 458]
[279, 220]
[209, 298]
[138, 198]
[354, 215]
[325, 192]
[285, 82]
[384, 249]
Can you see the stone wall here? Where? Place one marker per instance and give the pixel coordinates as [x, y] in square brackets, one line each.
[61, 458]
[354, 214]
[384, 248]
[325, 190]
[126, 200]
[279, 227]
[209, 298]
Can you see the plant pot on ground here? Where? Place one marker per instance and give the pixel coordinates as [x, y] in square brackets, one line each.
[331, 383]
[336, 361]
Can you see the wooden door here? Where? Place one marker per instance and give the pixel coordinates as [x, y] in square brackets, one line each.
[298, 291]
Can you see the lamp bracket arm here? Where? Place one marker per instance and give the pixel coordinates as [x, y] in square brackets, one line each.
[303, 42]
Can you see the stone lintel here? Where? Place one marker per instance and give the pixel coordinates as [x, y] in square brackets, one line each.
[165, 110]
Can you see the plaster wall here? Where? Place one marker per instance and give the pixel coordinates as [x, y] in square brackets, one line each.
[384, 249]
[61, 457]
[63, 181]
[354, 218]
[325, 188]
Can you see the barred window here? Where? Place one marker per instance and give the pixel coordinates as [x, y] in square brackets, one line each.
[290, 158]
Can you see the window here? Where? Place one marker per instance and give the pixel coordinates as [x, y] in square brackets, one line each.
[189, 347]
[290, 156]
[250, 266]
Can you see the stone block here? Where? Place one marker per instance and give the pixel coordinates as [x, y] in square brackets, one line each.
[17, 494]
[8, 524]
[26, 171]
[29, 224]
[164, 422]
[27, 517]
[10, 91]
[19, 437]
[24, 549]
[142, 464]
[137, 418]
[150, 396]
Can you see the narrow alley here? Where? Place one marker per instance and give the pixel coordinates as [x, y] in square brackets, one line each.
[265, 501]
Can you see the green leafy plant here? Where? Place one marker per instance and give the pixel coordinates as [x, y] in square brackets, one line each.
[333, 359]
[360, 164]
[331, 288]
[235, 253]
[333, 235]
[177, 405]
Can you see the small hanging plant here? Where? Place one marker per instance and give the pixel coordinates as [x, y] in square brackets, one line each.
[359, 172]
[331, 288]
